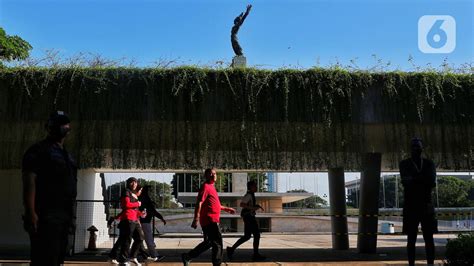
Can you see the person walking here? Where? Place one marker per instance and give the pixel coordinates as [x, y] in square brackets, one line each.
[207, 212]
[129, 223]
[113, 255]
[149, 206]
[249, 208]
[418, 177]
[49, 176]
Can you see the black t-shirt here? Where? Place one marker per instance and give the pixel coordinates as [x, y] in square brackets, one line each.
[56, 176]
[418, 184]
[150, 211]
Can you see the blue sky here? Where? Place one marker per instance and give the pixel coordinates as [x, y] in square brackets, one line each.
[277, 33]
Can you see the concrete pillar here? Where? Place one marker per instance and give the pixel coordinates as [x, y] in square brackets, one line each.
[92, 212]
[369, 200]
[337, 203]
[239, 183]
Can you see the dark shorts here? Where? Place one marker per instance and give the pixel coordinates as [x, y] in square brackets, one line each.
[428, 222]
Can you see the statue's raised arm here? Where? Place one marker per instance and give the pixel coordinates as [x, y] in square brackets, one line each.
[238, 21]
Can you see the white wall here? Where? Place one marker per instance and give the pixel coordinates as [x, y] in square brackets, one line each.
[11, 225]
[89, 213]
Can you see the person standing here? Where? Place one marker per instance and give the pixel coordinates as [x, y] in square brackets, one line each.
[149, 206]
[207, 212]
[249, 208]
[49, 176]
[418, 177]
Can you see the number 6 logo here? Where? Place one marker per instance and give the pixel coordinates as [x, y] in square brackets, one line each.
[436, 34]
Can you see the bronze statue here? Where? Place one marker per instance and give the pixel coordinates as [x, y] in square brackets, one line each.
[238, 21]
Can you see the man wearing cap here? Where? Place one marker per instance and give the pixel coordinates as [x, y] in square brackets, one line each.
[49, 190]
[418, 178]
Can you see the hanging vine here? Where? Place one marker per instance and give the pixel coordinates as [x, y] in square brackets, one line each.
[189, 117]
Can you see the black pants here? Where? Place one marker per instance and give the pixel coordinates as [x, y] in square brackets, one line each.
[429, 225]
[250, 228]
[212, 239]
[128, 230]
[49, 243]
[116, 248]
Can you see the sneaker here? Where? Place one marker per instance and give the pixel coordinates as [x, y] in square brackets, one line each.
[156, 259]
[114, 261]
[258, 257]
[135, 261]
[230, 253]
[186, 259]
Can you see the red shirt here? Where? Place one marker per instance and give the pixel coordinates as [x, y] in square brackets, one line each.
[211, 205]
[129, 206]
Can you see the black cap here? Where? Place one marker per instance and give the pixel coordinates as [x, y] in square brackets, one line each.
[58, 118]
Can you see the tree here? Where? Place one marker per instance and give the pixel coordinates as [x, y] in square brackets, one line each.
[453, 192]
[312, 202]
[388, 189]
[191, 182]
[13, 47]
[160, 193]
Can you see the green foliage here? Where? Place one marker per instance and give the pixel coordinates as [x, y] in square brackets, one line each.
[453, 192]
[249, 119]
[390, 193]
[13, 47]
[192, 182]
[460, 251]
[160, 193]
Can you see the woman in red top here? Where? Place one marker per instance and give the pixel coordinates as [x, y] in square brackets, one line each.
[130, 224]
[208, 211]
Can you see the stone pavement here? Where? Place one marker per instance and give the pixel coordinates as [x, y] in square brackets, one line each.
[281, 249]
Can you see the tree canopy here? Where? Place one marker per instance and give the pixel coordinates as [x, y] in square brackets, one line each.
[452, 192]
[13, 47]
[160, 193]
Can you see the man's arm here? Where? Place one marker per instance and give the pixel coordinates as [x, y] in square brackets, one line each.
[247, 206]
[228, 209]
[197, 210]
[404, 174]
[154, 212]
[29, 194]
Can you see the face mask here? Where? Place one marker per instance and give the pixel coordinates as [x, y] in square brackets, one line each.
[59, 133]
[63, 131]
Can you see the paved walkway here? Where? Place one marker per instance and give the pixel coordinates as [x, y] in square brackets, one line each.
[295, 249]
